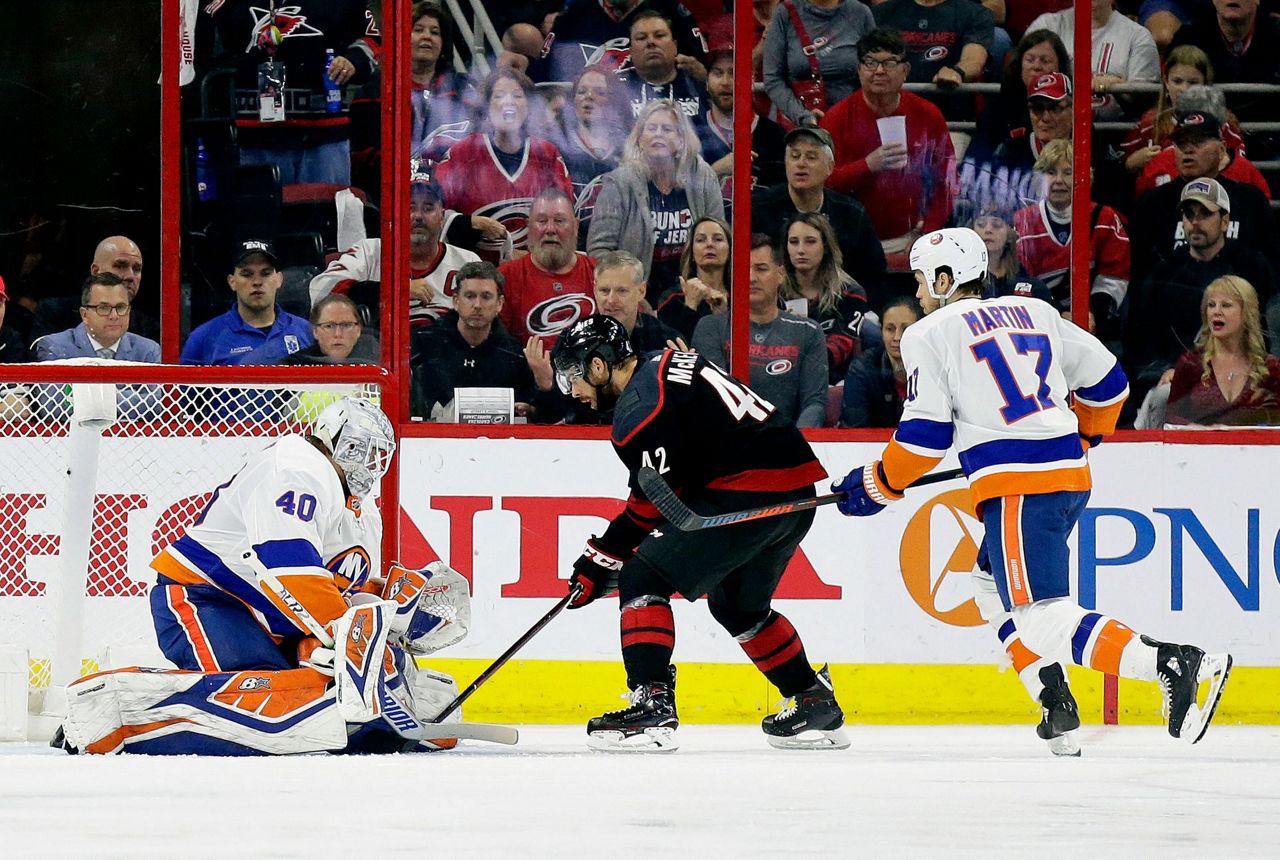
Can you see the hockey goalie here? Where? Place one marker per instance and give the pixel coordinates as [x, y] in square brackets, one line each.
[285, 641]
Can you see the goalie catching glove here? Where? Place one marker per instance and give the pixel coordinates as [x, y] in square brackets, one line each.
[433, 607]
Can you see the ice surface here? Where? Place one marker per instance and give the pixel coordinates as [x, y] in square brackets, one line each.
[921, 791]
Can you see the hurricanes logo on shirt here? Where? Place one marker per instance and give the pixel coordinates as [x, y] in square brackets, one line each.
[553, 315]
[514, 215]
[614, 55]
[287, 20]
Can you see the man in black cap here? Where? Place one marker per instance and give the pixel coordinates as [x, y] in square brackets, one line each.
[808, 161]
[256, 330]
[1156, 229]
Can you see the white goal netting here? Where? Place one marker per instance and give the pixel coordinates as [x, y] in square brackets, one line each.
[87, 498]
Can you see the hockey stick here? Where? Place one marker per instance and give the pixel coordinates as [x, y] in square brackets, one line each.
[508, 654]
[491, 732]
[684, 518]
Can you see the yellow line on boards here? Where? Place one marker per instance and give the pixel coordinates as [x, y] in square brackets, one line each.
[563, 691]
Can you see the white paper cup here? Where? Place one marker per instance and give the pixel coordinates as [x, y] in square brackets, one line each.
[893, 129]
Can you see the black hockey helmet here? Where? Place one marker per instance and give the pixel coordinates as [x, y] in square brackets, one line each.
[596, 336]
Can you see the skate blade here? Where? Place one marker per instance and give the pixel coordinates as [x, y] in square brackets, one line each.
[1215, 669]
[813, 739]
[1065, 744]
[656, 739]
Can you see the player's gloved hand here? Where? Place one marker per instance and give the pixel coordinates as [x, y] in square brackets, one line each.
[313, 654]
[1090, 441]
[595, 572]
[866, 491]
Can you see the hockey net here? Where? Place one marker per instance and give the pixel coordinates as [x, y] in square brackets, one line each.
[98, 478]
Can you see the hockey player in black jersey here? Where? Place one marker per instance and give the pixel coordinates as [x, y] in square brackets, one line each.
[722, 448]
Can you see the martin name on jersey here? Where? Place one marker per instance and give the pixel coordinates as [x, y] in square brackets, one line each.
[286, 505]
[1037, 392]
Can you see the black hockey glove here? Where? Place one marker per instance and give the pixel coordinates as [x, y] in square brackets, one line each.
[596, 572]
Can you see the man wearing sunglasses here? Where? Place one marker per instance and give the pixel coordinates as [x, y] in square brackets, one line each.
[104, 327]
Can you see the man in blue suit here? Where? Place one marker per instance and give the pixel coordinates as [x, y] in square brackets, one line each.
[103, 333]
[104, 327]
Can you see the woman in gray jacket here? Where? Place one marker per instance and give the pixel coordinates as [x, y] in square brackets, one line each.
[660, 189]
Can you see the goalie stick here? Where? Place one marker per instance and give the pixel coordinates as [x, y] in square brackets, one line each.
[684, 518]
[508, 654]
[491, 732]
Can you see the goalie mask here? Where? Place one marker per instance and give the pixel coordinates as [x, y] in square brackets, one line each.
[596, 336]
[958, 251]
[360, 440]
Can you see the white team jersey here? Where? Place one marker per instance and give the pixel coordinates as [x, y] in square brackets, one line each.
[1120, 47]
[995, 377]
[287, 504]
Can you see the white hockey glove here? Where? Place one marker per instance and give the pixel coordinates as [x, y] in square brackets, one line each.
[433, 607]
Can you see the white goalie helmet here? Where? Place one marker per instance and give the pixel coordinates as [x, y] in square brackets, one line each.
[959, 250]
[360, 440]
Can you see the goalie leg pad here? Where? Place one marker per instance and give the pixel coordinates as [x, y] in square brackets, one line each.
[432, 691]
[164, 712]
[369, 684]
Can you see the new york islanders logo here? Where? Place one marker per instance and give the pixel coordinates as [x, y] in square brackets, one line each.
[350, 569]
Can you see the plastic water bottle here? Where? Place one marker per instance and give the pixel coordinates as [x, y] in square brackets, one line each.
[332, 89]
[206, 177]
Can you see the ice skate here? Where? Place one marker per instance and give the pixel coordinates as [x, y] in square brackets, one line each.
[1180, 670]
[648, 725]
[1059, 716]
[809, 720]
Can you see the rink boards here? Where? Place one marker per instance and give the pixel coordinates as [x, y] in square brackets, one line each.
[1181, 541]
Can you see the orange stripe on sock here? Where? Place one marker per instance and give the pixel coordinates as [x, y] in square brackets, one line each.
[1014, 566]
[1021, 655]
[1109, 646]
[177, 597]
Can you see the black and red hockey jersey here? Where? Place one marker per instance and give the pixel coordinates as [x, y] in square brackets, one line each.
[307, 28]
[474, 182]
[589, 31]
[707, 434]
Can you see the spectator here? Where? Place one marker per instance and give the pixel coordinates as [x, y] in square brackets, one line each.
[104, 327]
[1186, 66]
[1020, 13]
[947, 41]
[1242, 45]
[715, 132]
[908, 189]
[1038, 53]
[594, 126]
[469, 348]
[256, 330]
[705, 278]
[1122, 51]
[811, 55]
[1005, 274]
[619, 290]
[1165, 17]
[1228, 378]
[433, 263]
[654, 74]
[875, 388]
[1164, 311]
[809, 162]
[497, 172]
[787, 354]
[1044, 243]
[660, 188]
[118, 255]
[588, 32]
[339, 336]
[550, 288]
[1209, 103]
[836, 302]
[1157, 222]
[444, 101]
[306, 142]
[12, 349]
[1049, 102]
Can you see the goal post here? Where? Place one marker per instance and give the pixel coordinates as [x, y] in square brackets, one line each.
[106, 463]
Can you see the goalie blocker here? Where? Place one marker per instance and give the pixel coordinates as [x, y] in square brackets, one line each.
[361, 691]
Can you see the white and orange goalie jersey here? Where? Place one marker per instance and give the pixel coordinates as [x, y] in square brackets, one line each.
[1020, 392]
[287, 506]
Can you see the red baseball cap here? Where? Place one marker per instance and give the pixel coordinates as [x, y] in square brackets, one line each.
[1054, 86]
[4, 294]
